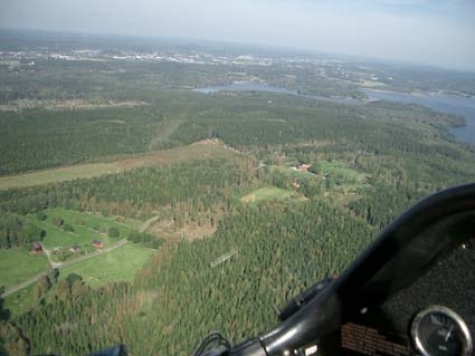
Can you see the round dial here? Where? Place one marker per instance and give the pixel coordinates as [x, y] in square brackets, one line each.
[439, 331]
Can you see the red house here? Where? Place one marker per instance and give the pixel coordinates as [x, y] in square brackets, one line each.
[36, 248]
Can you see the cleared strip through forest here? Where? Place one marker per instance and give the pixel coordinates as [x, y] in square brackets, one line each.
[89, 170]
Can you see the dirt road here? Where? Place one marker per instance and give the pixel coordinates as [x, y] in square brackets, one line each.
[148, 223]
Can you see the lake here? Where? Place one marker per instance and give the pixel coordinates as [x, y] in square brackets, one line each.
[444, 103]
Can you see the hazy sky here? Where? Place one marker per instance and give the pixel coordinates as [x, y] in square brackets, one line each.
[438, 32]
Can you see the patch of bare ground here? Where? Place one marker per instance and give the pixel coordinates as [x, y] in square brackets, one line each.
[168, 230]
[171, 236]
[216, 142]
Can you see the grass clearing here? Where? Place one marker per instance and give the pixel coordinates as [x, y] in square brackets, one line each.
[20, 302]
[292, 172]
[117, 265]
[272, 193]
[85, 227]
[338, 170]
[334, 176]
[17, 265]
[114, 266]
[114, 165]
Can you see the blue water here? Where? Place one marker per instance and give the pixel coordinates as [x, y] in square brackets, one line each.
[443, 103]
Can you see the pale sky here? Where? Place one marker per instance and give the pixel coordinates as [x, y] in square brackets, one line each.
[436, 32]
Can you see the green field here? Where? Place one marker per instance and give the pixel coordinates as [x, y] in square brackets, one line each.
[271, 193]
[338, 170]
[113, 165]
[114, 266]
[17, 265]
[21, 301]
[334, 169]
[335, 176]
[291, 172]
[84, 225]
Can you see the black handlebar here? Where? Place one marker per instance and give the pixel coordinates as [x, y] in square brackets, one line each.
[304, 298]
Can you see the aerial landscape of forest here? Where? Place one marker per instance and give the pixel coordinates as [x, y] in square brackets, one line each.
[153, 191]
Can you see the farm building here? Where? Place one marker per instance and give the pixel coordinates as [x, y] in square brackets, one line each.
[36, 247]
[98, 244]
[75, 248]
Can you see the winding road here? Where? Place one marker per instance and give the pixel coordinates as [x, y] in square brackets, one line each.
[61, 265]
